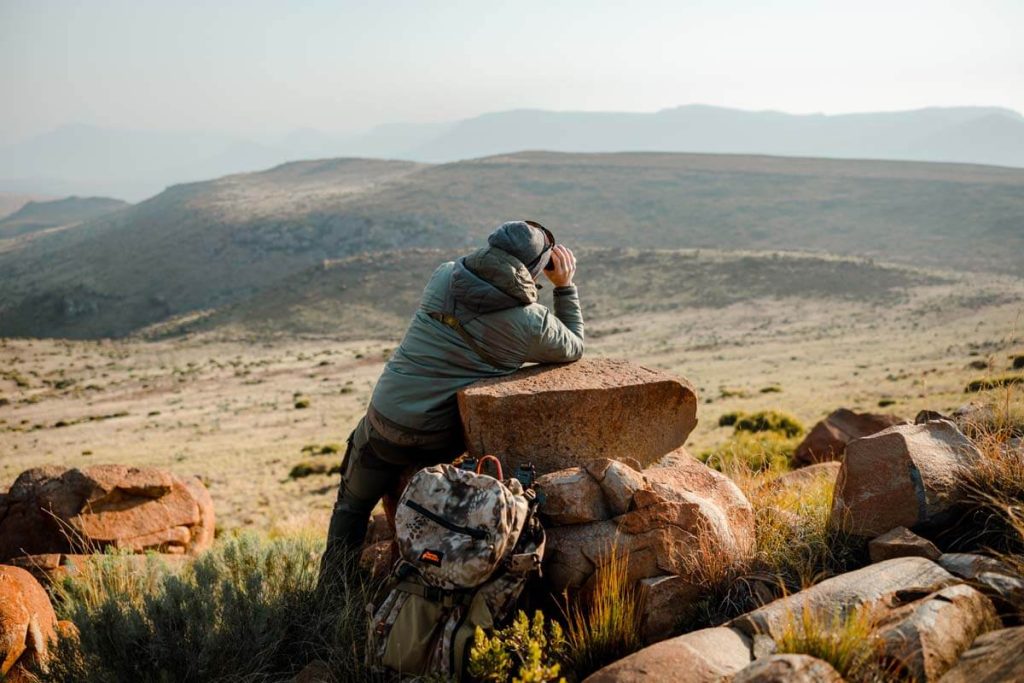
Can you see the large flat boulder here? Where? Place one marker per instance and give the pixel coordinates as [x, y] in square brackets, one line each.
[559, 416]
[841, 594]
[27, 624]
[994, 657]
[711, 654]
[828, 439]
[909, 475]
[59, 510]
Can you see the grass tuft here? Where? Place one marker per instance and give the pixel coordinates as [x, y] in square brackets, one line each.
[989, 383]
[605, 626]
[844, 641]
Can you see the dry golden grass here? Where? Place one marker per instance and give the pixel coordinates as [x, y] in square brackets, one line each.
[795, 547]
[605, 626]
[844, 641]
[995, 485]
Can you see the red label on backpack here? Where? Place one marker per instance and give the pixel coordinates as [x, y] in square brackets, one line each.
[433, 557]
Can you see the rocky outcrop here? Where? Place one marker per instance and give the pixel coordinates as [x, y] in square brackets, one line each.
[901, 542]
[828, 439]
[560, 416]
[841, 594]
[58, 510]
[921, 639]
[907, 475]
[788, 669]
[995, 657]
[27, 624]
[698, 657]
[662, 519]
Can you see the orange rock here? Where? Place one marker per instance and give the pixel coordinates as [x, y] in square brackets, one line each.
[57, 510]
[27, 623]
[684, 510]
[828, 439]
[559, 416]
[908, 475]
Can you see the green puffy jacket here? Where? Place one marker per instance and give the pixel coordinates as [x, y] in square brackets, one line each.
[495, 298]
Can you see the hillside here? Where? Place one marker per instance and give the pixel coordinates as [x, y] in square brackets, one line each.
[373, 295]
[12, 201]
[40, 215]
[205, 245]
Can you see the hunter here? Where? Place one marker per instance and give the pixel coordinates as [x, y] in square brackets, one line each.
[478, 318]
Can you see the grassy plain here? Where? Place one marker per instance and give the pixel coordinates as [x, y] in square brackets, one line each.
[222, 403]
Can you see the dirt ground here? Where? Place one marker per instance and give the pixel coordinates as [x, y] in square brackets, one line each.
[226, 409]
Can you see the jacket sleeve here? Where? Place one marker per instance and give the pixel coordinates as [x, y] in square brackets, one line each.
[559, 337]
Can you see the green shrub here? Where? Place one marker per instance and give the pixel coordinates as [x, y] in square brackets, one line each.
[886, 402]
[772, 389]
[1018, 362]
[247, 610]
[729, 419]
[307, 468]
[524, 651]
[989, 383]
[301, 403]
[330, 448]
[769, 421]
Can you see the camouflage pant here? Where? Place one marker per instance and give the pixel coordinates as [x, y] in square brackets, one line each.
[372, 467]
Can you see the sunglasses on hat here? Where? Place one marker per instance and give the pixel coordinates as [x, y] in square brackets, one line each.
[549, 244]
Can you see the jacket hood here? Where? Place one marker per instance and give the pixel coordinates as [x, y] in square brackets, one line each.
[521, 241]
[491, 279]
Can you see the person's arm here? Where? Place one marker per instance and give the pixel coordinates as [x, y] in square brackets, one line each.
[559, 338]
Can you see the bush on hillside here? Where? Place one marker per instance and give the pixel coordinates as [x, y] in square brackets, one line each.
[248, 609]
[770, 421]
[989, 383]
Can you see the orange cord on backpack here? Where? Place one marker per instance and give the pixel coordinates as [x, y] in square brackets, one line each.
[497, 463]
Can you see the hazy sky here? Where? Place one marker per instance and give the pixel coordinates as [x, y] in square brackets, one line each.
[262, 67]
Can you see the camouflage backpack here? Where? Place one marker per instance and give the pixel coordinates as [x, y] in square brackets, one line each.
[467, 543]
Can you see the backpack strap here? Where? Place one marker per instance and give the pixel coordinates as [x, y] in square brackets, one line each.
[454, 323]
[446, 598]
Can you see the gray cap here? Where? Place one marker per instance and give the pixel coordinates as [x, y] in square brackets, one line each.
[524, 242]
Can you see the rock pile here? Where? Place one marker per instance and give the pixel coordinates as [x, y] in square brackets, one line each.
[566, 415]
[51, 513]
[662, 518]
[591, 428]
[922, 619]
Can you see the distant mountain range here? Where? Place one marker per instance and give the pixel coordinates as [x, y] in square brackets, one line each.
[134, 164]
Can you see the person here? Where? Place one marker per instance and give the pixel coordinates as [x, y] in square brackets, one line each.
[478, 318]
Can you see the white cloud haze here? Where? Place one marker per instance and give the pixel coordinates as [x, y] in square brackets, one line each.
[258, 67]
